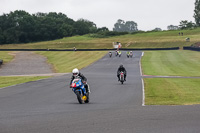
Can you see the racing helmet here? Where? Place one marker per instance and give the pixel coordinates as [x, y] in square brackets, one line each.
[75, 72]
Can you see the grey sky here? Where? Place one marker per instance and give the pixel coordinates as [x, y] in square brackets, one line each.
[148, 14]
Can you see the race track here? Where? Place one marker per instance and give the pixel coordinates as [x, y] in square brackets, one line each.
[49, 106]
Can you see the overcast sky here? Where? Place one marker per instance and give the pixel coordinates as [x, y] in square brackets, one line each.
[148, 14]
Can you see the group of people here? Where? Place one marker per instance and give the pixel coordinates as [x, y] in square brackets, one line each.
[85, 88]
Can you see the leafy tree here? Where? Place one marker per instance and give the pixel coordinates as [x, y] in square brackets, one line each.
[1, 37]
[83, 26]
[103, 29]
[157, 29]
[119, 26]
[184, 24]
[66, 30]
[172, 27]
[131, 26]
[197, 12]
[21, 27]
[122, 26]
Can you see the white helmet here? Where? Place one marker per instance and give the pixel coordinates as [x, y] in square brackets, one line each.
[75, 71]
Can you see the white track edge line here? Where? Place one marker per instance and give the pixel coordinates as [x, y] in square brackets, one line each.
[143, 91]
[143, 94]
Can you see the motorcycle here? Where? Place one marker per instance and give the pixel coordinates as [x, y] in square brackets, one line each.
[110, 54]
[76, 88]
[131, 55]
[120, 54]
[121, 77]
[116, 53]
[128, 55]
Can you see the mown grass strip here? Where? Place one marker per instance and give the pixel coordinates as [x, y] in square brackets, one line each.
[171, 63]
[6, 56]
[9, 81]
[64, 62]
[169, 91]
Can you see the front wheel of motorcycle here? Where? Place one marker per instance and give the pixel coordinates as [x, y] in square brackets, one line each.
[79, 97]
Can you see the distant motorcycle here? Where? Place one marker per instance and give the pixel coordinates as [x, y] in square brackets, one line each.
[120, 54]
[121, 77]
[110, 54]
[128, 55]
[76, 87]
[116, 53]
[131, 55]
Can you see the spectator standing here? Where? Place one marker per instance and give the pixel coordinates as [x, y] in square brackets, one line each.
[75, 49]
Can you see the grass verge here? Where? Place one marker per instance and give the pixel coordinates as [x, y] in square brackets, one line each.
[168, 91]
[6, 56]
[171, 91]
[8, 81]
[171, 63]
[64, 62]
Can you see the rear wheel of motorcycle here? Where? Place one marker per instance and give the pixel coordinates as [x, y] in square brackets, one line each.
[87, 101]
[79, 97]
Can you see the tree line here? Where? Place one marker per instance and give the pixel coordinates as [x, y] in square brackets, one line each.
[21, 27]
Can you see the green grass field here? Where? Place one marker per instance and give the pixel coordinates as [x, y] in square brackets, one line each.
[8, 81]
[171, 63]
[64, 62]
[163, 39]
[171, 91]
[6, 56]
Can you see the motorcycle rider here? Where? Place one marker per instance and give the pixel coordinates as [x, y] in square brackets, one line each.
[128, 54]
[121, 69]
[131, 53]
[116, 53]
[110, 53]
[76, 73]
[119, 53]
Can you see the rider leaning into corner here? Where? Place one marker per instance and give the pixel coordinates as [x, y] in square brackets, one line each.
[76, 73]
[121, 69]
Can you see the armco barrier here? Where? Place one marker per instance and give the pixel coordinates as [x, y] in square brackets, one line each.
[124, 49]
[173, 48]
[192, 48]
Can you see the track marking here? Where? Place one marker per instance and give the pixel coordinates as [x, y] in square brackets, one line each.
[143, 91]
[142, 53]
[143, 94]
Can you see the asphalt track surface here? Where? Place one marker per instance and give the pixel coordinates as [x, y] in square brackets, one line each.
[49, 106]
